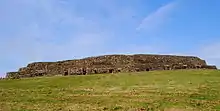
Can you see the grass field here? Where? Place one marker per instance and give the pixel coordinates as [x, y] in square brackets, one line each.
[183, 90]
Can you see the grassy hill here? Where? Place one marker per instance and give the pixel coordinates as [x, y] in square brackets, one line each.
[183, 90]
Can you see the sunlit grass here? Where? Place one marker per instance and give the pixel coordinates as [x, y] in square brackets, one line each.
[181, 90]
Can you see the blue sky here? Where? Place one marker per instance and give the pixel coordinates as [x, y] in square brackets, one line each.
[51, 30]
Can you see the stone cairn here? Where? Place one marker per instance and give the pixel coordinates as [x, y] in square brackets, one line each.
[110, 64]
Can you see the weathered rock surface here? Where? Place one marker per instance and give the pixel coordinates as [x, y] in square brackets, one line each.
[110, 64]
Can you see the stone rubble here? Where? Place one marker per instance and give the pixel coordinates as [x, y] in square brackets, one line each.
[110, 64]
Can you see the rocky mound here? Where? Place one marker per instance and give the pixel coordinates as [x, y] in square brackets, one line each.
[110, 64]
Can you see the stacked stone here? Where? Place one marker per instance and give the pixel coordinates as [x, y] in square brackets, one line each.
[110, 64]
[12, 75]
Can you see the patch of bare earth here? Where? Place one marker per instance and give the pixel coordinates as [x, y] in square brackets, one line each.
[177, 109]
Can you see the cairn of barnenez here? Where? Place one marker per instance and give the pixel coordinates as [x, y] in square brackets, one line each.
[110, 64]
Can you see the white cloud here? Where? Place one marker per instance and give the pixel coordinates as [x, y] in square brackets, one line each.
[38, 39]
[157, 18]
[210, 53]
[49, 30]
[38, 36]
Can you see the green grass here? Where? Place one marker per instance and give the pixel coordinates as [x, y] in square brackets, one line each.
[182, 90]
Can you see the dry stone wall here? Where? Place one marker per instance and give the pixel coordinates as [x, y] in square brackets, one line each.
[110, 64]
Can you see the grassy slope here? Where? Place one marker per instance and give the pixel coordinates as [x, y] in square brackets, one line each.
[157, 90]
